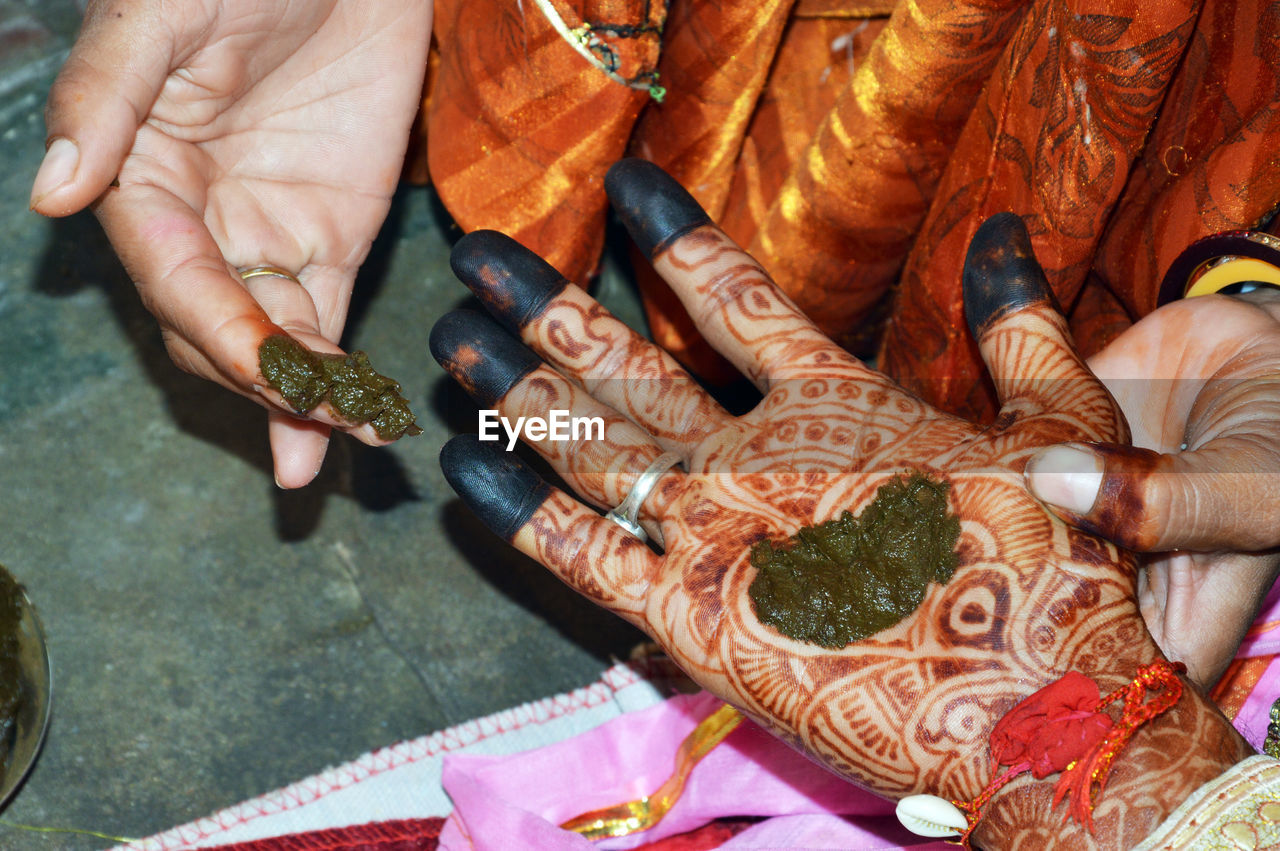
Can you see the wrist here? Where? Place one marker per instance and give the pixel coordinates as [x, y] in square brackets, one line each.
[1167, 759]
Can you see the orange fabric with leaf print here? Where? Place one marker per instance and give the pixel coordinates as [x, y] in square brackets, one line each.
[855, 151]
[522, 127]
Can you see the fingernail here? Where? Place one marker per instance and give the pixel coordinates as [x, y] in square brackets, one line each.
[1066, 476]
[480, 355]
[515, 284]
[57, 169]
[501, 489]
[1001, 275]
[654, 207]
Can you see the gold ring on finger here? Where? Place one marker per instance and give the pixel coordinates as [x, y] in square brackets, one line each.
[274, 271]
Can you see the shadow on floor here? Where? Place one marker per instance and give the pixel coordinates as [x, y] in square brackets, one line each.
[78, 256]
[530, 585]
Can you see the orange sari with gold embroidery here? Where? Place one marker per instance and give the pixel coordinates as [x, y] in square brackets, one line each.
[855, 147]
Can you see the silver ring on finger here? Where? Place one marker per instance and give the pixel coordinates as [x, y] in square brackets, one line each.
[627, 513]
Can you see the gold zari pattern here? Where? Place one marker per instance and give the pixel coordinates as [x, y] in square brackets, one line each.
[1239, 810]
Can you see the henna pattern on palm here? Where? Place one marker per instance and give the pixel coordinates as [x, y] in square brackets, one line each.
[910, 708]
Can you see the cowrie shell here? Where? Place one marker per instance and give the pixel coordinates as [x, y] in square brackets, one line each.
[929, 815]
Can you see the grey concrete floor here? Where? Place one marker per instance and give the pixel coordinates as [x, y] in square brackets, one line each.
[213, 637]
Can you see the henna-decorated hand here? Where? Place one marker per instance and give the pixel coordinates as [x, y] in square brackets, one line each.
[1199, 381]
[910, 708]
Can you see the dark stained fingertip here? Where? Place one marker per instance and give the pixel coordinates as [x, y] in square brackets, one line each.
[502, 490]
[654, 207]
[1001, 274]
[480, 355]
[1119, 513]
[1117, 510]
[514, 284]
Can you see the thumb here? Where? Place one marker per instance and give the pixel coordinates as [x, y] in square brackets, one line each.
[1224, 496]
[102, 94]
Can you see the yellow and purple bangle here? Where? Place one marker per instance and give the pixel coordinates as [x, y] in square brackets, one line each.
[1212, 264]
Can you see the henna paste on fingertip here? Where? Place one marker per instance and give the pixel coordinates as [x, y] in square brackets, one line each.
[514, 284]
[480, 355]
[502, 490]
[655, 208]
[358, 393]
[849, 578]
[1001, 274]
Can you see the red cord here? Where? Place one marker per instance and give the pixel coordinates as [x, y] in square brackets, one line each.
[1062, 729]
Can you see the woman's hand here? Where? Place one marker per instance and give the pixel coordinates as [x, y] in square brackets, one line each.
[1199, 381]
[240, 133]
[908, 709]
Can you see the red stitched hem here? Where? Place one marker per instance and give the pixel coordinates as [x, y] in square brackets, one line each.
[403, 835]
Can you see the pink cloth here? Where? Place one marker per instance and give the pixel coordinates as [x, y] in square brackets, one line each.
[1255, 713]
[517, 801]
[1263, 637]
[826, 831]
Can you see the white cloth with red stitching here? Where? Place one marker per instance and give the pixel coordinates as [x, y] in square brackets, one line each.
[508, 780]
[500, 799]
[404, 780]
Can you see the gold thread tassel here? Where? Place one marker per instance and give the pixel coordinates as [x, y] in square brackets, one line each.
[644, 813]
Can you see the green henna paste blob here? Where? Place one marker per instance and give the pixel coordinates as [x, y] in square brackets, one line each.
[851, 577]
[356, 391]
